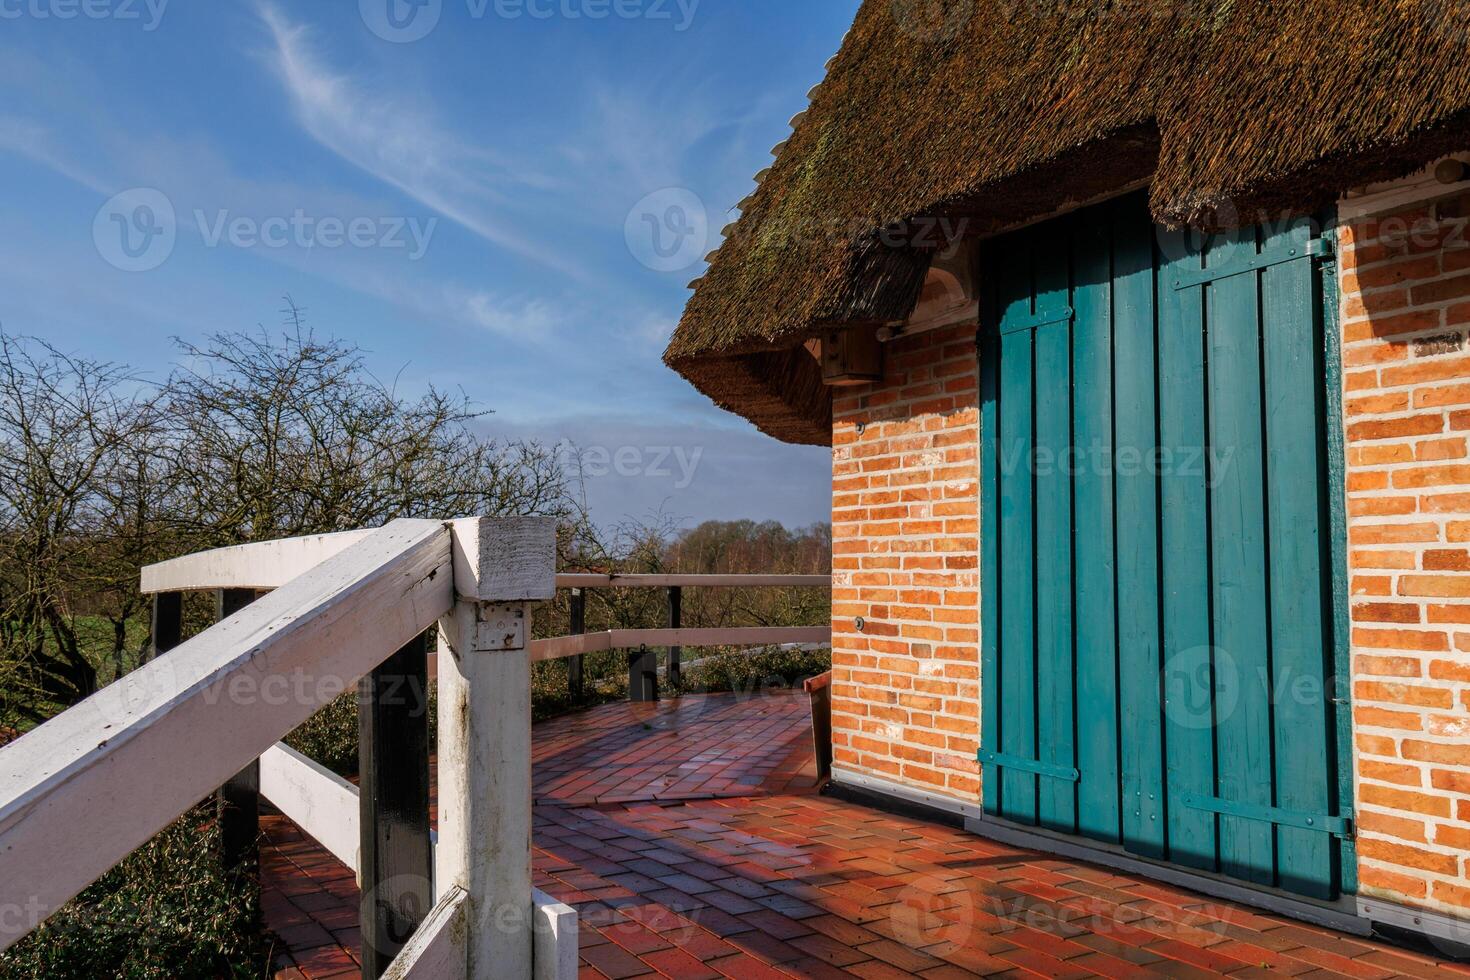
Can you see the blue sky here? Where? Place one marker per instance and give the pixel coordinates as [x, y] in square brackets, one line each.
[467, 188]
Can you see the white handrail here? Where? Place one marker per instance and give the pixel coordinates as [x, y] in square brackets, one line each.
[258, 565]
[271, 564]
[84, 790]
[323, 804]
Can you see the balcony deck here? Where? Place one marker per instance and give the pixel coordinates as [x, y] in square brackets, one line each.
[690, 838]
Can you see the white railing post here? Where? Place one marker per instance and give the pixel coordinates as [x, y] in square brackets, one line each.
[501, 567]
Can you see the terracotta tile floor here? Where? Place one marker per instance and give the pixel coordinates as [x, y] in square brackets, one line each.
[749, 877]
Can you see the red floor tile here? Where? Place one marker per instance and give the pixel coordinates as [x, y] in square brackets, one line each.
[689, 837]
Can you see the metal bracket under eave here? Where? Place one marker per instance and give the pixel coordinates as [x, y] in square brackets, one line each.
[852, 356]
[1337, 826]
[1048, 769]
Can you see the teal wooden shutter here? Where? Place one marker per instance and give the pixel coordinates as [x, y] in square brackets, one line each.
[1157, 569]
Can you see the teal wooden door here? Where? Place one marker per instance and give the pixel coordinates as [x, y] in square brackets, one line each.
[1159, 636]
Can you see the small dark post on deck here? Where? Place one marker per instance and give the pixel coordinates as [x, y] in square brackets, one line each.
[237, 805]
[579, 626]
[393, 751]
[642, 675]
[168, 623]
[676, 616]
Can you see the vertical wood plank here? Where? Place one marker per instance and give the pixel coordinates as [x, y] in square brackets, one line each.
[1189, 716]
[1238, 547]
[1098, 813]
[485, 790]
[237, 804]
[575, 684]
[1300, 635]
[642, 675]
[990, 581]
[1137, 531]
[168, 623]
[1328, 314]
[676, 619]
[396, 858]
[1055, 669]
[1017, 557]
[485, 735]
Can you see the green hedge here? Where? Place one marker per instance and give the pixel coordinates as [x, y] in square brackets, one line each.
[167, 912]
[754, 672]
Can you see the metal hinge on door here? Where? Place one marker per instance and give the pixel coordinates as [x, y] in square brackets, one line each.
[1048, 769]
[1317, 248]
[1337, 826]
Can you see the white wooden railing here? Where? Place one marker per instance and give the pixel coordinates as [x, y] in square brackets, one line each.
[84, 790]
[81, 792]
[270, 564]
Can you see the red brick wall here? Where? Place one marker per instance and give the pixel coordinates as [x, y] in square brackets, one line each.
[906, 700]
[905, 692]
[1405, 309]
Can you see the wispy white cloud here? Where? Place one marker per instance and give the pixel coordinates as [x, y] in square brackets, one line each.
[399, 142]
[530, 321]
[37, 143]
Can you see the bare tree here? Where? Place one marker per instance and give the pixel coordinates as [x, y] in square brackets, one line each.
[290, 435]
[254, 436]
[64, 421]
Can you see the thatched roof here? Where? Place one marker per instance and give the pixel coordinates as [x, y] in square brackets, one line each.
[1001, 111]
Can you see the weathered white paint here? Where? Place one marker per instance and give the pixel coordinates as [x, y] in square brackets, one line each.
[437, 949]
[320, 802]
[261, 565]
[485, 743]
[511, 559]
[735, 636]
[325, 807]
[484, 793]
[556, 942]
[84, 790]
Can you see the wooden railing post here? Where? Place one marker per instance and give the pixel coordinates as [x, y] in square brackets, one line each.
[642, 675]
[237, 804]
[575, 683]
[168, 623]
[501, 566]
[676, 620]
[396, 863]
